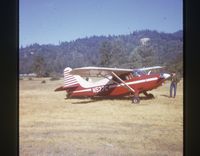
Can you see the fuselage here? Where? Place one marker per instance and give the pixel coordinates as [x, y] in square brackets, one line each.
[139, 84]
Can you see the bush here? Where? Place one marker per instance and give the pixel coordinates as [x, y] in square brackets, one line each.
[54, 78]
[30, 78]
[43, 81]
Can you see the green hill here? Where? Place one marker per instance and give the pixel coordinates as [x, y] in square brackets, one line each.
[137, 49]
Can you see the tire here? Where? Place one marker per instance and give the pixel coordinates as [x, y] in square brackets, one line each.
[136, 100]
[67, 96]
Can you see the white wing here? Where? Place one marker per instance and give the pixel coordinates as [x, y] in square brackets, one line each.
[150, 68]
[103, 71]
[98, 71]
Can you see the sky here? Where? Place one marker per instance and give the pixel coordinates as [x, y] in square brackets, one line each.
[55, 21]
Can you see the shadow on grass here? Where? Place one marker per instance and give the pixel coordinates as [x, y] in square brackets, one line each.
[165, 95]
[85, 102]
[97, 99]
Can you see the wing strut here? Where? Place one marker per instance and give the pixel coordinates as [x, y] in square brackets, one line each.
[127, 86]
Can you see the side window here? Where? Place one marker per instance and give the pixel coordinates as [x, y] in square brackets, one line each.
[129, 76]
[135, 74]
[116, 80]
[123, 77]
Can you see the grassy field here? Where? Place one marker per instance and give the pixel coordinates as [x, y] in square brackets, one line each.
[52, 125]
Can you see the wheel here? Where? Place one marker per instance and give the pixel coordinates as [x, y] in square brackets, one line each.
[136, 100]
[67, 96]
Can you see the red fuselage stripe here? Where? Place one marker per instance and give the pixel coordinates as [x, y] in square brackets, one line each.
[119, 85]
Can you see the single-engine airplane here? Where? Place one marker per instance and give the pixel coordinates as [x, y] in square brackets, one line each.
[115, 82]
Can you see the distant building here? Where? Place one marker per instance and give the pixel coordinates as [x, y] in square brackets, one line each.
[144, 41]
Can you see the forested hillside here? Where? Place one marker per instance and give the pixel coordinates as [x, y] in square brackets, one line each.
[136, 50]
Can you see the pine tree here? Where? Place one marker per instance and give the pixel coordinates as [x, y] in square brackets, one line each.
[105, 53]
[39, 66]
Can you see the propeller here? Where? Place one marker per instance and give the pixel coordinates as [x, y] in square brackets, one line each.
[165, 75]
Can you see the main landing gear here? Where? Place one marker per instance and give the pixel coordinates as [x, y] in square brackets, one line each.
[136, 98]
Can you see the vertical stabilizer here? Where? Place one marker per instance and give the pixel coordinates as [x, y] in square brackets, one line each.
[69, 80]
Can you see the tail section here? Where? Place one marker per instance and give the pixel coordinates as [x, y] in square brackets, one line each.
[69, 80]
[75, 80]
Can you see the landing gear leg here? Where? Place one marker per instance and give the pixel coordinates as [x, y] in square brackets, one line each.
[67, 95]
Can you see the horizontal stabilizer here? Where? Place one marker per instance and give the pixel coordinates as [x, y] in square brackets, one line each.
[61, 88]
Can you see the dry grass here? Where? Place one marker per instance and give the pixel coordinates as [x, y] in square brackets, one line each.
[51, 125]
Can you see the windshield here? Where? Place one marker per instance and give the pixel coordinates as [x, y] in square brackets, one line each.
[138, 73]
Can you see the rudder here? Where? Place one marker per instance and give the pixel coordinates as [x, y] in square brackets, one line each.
[69, 80]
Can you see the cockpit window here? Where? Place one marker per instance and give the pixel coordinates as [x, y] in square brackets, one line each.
[123, 77]
[137, 73]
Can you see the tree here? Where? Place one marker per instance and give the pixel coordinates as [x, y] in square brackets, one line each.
[135, 59]
[176, 65]
[123, 51]
[105, 53]
[39, 66]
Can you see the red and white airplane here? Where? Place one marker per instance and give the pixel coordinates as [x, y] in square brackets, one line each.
[115, 82]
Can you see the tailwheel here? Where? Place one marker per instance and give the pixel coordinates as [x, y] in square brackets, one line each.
[67, 95]
[136, 100]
